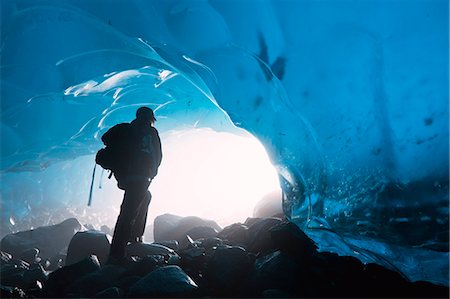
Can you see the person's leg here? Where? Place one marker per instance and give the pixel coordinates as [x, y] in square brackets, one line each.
[141, 219]
[127, 216]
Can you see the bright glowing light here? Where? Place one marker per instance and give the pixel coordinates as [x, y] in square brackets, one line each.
[219, 176]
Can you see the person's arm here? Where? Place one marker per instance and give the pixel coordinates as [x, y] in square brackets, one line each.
[156, 152]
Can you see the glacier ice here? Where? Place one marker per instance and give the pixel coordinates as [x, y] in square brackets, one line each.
[349, 98]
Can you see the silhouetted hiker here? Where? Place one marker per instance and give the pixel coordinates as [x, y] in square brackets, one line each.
[134, 155]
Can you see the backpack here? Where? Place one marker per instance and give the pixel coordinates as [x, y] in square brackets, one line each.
[116, 153]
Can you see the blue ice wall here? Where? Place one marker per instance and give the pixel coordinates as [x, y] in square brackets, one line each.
[350, 98]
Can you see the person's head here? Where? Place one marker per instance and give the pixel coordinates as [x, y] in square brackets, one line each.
[145, 114]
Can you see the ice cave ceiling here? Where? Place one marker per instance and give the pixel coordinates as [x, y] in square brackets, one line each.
[349, 98]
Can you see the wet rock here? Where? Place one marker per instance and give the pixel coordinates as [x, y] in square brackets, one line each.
[12, 272]
[5, 258]
[228, 271]
[169, 281]
[202, 232]
[171, 227]
[87, 243]
[145, 265]
[289, 237]
[60, 279]
[381, 282]
[30, 256]
[11, 292]
[94, 282]
[126, 282]
[144, 249]
[172, 244]
[50, 240]
[11, 275]
[34, 278]
[113, 292]
[211, 243]
[279, 271]
[260, 240]
[235, 234]
[192, 259]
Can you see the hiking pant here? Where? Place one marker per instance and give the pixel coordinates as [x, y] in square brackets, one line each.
[132, 218]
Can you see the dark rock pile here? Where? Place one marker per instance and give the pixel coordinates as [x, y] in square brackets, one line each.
[261, 258]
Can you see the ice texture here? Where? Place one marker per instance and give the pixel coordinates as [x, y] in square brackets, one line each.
[349, 98]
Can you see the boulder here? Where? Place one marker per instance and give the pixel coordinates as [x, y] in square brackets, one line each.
[87, 243]
[60, 279]
[172, 244]
[202, 232]
[235, 234]
[145, 265]
[269, 206]
[279, 271]
[171, 227]
[5, 258]
[50, 240]
[228, 271]
[11, 292]
[289, 237]
[34, 278]
[170, 281]
[260, 240]
[94, 282]
[144, 249]
[30, 256]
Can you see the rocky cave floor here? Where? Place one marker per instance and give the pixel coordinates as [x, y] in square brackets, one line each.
[193, 258]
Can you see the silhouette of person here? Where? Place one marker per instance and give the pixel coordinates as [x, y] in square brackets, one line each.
[139, 166]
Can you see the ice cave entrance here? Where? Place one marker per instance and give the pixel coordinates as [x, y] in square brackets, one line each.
[213, 175]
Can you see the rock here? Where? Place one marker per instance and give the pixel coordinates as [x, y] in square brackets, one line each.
[172, 244]
[250, 221]
[50, 240]
[34, 277]
[107, 230]
[144, 266]
[11, 292]
[228, 271]
[5, 258]
[144, 249]
[11, 275]
[170, 281]
[113, 292]
[289, 237]
[211, 243]
[87, 243]
[94, 282]
[126, 282]
[60, 279]
[202, 232]
[30, 256]
[171, 227]
[12, 272]
[260, 240]
[279, 271]
[235, 234]
[269, 206]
